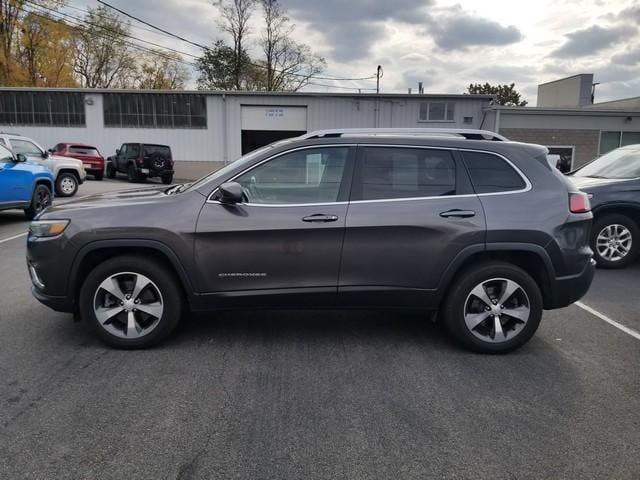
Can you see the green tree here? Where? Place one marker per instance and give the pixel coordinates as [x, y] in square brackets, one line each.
[217, 70]
[505, 94]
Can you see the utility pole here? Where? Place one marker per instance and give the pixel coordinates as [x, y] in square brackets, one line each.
[379, 75]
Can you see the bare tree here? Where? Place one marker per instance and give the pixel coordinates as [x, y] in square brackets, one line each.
[289, 65]
[103, 57]
[235, 21]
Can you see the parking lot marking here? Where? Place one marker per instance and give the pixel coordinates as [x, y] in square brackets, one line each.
[13, 238]
[603, 317]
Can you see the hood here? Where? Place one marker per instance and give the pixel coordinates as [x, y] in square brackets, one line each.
[118, 199]
[586, 183]
[66, 160]
[31, 167]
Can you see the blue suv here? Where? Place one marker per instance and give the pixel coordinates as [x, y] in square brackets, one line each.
[23, 184]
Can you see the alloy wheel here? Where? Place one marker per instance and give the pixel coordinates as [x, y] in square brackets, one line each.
[128, 305]
[496, 310]
[42, 200]
[614, 242]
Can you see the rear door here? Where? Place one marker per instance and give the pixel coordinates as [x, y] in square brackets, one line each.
[412, 211]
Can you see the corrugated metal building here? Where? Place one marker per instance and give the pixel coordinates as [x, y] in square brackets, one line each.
[206, 129]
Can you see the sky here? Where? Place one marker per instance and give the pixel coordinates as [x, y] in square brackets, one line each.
[446, 44]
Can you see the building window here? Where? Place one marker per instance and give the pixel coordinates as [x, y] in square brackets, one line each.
[154, 110]
[612, 140]
[59, 109]
[437, 112]
[565, 160]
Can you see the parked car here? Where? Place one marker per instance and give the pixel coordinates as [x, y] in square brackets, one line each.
[142, 160]
[89, 155]
[24, 185]
[613, 183]
[69, 173]
[486, 233]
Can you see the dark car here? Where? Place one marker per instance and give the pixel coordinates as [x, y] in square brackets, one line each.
[142, 160]
[486, 233]
[91, 158]
[613, 184]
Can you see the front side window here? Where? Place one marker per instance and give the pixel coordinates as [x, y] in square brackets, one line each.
[396, 172]
[311, 175]
[25, 147]
[491, 174]
[437, 112]
[5, 155]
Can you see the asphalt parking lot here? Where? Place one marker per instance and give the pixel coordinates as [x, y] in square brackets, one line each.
[322, 394]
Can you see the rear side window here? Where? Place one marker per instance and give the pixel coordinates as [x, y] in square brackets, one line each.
[490, 173]
[399, 172]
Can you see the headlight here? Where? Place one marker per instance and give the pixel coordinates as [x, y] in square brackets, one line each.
[47, 228]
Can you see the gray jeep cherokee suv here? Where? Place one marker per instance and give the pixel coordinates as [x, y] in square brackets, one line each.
[486, 233]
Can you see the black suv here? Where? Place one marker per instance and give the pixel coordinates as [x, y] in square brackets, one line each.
[142, 160]
[486, 233]
[613, 183]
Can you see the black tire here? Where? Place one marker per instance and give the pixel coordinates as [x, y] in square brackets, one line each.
[132, 175]
[167, 179]
[98, 176]
[600, 225]
[455, 306]
[171, 294]
[66, 184]
[40, 200]
[111, 171]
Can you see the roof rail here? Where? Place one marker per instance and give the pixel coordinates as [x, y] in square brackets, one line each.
[469, 134]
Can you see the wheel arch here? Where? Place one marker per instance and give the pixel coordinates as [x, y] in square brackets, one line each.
[532, 258]
[631, 210]
[97, 252]
[68, 170]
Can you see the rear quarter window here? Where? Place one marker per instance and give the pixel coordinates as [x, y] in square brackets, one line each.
[491, 174]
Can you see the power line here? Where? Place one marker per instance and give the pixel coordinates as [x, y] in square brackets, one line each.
[82, 21]
[204, 47]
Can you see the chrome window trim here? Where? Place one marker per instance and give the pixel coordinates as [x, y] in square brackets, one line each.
[306, 147]
[524, 178]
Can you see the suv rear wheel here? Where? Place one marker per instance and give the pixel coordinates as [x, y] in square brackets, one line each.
[66, 184]
[615, 241]
[131, 302]
[493, 308]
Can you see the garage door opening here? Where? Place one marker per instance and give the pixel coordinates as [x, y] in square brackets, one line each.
[253, 139]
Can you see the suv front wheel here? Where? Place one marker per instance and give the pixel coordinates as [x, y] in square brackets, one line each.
[131, 302]
[493, 308]
[66, 184]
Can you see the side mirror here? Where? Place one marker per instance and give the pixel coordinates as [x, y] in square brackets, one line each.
[117, 151]
[230, 192]
[21, 157]
[45, 154]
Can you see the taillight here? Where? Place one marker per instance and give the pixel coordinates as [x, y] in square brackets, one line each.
[579, 203]
[140, 161]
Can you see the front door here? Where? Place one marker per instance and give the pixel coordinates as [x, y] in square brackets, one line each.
[412, 212]
[14, 183]
[286, 237]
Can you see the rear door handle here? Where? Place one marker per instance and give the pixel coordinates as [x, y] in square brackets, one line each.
[456, 213]
[319, 217]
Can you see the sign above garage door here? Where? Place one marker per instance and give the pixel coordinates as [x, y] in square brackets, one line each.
[269, 117]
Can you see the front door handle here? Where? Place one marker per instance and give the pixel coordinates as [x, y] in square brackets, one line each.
[456, 213]
[319, 217]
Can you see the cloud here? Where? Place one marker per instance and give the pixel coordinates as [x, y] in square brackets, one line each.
[586, 42]
[462, 30]
[351, 28]
[629, 57]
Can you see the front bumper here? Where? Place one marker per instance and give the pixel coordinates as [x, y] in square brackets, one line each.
[570, 289]
[59, 304]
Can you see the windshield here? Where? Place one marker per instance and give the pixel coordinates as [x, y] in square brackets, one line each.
[227, 168]
[620, 163]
